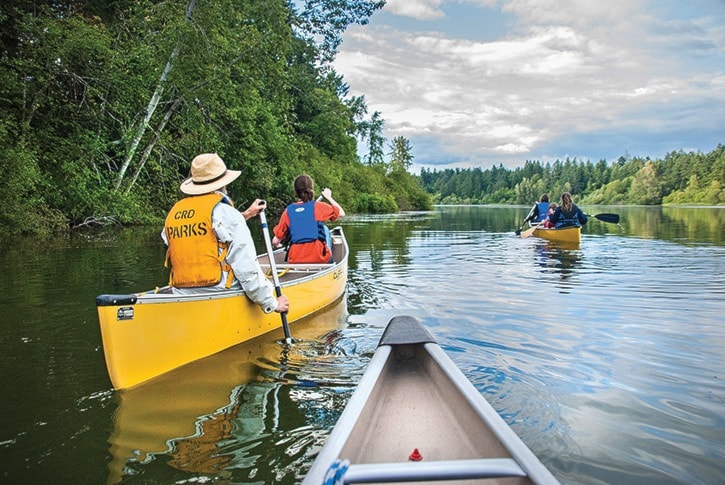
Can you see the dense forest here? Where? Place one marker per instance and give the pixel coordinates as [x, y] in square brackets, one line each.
[103, 104]
[678, 178]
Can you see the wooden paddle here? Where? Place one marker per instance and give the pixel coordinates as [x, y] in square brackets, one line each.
[273, 267]
[528, 232]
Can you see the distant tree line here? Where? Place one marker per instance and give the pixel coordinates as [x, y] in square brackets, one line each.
[679, 178]
[104, 104]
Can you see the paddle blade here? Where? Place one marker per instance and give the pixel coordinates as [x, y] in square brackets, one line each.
[528, 232]
[611, 218]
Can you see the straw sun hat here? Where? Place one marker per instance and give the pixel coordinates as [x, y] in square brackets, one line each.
[208, 173]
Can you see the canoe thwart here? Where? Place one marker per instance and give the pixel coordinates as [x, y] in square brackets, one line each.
[433, 470]
[309, 266]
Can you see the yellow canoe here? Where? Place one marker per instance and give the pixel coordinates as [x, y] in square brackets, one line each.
[184, 413]
[561, 234]
[148, 334]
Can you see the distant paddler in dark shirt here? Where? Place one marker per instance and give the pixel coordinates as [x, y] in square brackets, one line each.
[567, 214]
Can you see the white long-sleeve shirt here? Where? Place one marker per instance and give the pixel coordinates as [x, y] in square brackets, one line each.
[229, 226]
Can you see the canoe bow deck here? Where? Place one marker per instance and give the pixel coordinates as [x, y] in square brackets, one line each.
[148, 334]
[412, 398]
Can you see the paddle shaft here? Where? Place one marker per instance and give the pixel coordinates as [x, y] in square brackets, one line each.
[273, 267]
[518, 231]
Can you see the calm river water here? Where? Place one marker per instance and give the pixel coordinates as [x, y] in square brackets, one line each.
[608, 359]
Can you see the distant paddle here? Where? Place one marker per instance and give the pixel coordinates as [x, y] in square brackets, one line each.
[611, 218]
[531, 212]
[518, 231]
[273, 268]
[530, 231]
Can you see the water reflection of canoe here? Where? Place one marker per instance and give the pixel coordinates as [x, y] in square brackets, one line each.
[561, 234]
[147, 334]
[413, 402]
[185, 414]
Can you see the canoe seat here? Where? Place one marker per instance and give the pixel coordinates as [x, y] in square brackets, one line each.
[299, 267]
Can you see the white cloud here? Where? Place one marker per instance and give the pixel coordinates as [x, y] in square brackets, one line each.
[568, 68]
[417, 9]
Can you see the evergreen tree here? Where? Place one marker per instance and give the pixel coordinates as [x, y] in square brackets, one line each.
[401, 157]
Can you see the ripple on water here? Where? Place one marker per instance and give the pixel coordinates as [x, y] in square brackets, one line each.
[600, 349]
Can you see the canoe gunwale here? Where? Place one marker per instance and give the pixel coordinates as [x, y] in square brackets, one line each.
[346, 422]
[511, 441]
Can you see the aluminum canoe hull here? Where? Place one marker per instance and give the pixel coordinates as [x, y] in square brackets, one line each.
[148, 334]
[412, 398]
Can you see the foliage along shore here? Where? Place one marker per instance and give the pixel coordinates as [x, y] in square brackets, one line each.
[679, 178]
[104, 104]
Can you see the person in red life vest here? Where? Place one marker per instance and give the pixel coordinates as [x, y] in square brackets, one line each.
[303, 222]
[209, 244]
[547, 221]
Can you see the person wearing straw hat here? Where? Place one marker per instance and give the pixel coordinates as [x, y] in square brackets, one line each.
[209, 244]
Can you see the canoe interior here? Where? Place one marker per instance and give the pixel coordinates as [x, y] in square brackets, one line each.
[288, 272]
[412, 397]
[414, 405]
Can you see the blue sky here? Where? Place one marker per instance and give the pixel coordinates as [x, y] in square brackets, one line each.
[482, 82]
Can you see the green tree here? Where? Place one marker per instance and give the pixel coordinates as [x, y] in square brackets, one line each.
[646, 187]
[401, 156]
[323, 22]
[376, 140]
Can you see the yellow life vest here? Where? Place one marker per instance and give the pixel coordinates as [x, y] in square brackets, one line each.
[196, 256]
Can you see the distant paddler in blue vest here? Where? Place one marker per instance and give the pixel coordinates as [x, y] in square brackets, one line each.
[209, 244]
[539, 210]
[303, 224]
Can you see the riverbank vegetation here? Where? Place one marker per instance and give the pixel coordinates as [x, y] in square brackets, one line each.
[679, 178]
[104, 104]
